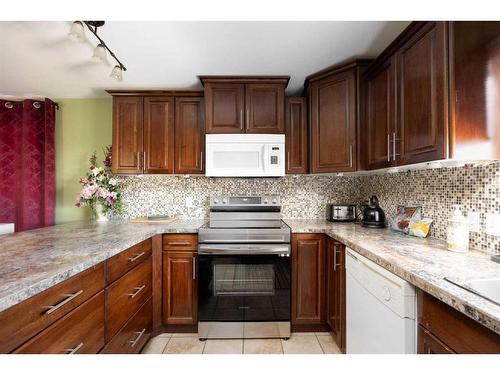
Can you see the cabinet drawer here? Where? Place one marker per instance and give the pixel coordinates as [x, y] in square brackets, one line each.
[126, 260]
[134, 334]
[21, 322]
[81, 331]
[126, 295]
[460, 333]
[179, 242]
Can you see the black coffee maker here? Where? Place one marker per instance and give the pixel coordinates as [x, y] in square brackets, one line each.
[373, 215]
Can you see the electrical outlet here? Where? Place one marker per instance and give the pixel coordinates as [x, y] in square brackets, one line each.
[493, 224]
[473, 218]
[189, 201]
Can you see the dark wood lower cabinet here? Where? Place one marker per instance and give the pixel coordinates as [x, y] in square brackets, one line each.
[308, 282]
[180, 288]
[429, 344]
[335, 291]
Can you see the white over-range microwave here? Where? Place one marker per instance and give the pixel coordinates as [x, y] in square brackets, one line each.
[245, 155]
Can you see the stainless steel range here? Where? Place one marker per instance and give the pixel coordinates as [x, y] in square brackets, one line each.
[244, 270]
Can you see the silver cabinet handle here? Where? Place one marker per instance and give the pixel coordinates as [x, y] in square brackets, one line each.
[194, 268]
[241, 119]
[137, 291]
[143, 161]
[138, 161]
[350, 155]
[136, 340]
[135, 257]
[247, 118]
[288, 159]
[68, 298]
[388, 147]
[201, 160]
[335, 257]
[179, 243]
[75, 349]
[394, 139]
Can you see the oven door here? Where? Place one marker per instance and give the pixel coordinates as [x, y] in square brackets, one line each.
[241, 287]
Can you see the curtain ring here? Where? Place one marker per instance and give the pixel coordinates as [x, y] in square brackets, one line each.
[37, 105]
[9, 105]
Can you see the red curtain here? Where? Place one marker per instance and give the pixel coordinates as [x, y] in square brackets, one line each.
[27, 163]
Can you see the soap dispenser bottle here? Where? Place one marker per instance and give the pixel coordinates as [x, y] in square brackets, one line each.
[457, 234]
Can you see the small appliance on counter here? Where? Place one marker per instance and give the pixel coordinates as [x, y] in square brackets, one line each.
[341, 212]
[373, 215]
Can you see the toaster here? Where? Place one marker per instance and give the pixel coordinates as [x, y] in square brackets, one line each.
[341, 212]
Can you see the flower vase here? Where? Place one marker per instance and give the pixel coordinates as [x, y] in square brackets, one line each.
[100, 216]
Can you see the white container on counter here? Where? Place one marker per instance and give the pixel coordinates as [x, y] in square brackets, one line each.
[457, 234]
[6, 228]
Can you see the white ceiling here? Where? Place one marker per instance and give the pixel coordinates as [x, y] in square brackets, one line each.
[39, 59]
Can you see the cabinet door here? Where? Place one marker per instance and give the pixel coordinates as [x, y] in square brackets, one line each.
[380, 115]
[331, 293]
[158, 156]
[429, 344]
[224, 107]
[333, 123]
[180, 298]
[265, 108]
[189, 135]
[422, 109]
[308, 280]
[335, 294]
[127, 134]
[296, 135]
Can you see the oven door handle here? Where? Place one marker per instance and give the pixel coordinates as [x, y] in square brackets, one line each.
[243, 250]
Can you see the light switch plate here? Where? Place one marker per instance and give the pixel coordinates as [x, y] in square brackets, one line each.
[474, 224]
[493, 224]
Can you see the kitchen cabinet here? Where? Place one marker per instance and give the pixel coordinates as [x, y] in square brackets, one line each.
[460, 334]
[296, 139]
[158, 152]
[422, 93]
[189, 135]
[335, 111]
[180, 297]
[244, 104]
[308, 282]
[127, 134]
[157, 132]
[336, 291]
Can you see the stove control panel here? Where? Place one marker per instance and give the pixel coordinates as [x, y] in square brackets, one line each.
[250, 201]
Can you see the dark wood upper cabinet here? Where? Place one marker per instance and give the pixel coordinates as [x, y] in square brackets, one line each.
[239, 104]
[296, 131]
[422, 92]
[224, 107]
[189, 135]
[158, 154]
[308, 281]
[180, 297]
[475, 84]
[127, 134]
[265, 108]
[380, 115]
[336, 109]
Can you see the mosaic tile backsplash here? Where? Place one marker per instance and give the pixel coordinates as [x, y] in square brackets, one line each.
[303, 197]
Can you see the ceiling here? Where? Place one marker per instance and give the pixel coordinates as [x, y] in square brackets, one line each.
[39, 59]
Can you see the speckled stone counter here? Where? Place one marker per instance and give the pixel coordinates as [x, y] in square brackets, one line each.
[422, 262]
[35, 260]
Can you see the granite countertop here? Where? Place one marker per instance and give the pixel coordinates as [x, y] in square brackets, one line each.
[422, 262]
[35, 260]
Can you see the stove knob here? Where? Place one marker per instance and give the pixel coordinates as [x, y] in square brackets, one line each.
[275, 201]
[266, 201]
[224, 201]
[216, 200]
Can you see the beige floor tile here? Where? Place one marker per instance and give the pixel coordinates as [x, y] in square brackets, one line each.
[223, 347]
[184, 345]
[328, 344]
[165, 335]
[184, 334]
[323, 333]
[262, 346]
[156, 345]
[303, 334]
[301, 344]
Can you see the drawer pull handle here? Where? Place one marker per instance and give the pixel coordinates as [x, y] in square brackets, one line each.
[137, 291]
[179, 243]
[75, 349]
[133, 342]
[68, 298]
[135, 257]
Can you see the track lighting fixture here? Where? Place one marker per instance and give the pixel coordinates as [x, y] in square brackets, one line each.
[77, 32]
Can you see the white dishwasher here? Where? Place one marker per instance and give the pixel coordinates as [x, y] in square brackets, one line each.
[380, 311]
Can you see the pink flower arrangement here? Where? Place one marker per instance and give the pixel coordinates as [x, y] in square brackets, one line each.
[99, 187]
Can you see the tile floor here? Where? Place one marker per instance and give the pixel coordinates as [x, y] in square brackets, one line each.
[187, 343]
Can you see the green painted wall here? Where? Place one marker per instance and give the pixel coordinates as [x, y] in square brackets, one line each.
[82, 127]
